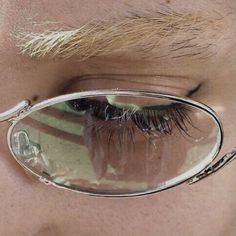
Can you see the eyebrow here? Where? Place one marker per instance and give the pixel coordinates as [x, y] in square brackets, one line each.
[163, 34]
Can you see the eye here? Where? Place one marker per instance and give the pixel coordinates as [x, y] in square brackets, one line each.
[152, 120]
[117, 133]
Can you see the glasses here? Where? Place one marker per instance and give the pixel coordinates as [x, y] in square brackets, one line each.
[116, 142]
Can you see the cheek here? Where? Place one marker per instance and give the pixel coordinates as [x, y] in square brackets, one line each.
[33, 207]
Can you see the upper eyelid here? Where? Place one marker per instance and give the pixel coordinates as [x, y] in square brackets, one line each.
[169, 84]
[195, 90]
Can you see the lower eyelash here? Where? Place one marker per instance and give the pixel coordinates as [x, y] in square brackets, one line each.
[149, 122]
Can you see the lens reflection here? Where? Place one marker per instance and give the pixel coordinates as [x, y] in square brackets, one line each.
[118, 144]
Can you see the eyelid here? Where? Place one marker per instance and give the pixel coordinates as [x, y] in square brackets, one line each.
[175, 85]
[147, 120]
[195, 90]
[112, 100]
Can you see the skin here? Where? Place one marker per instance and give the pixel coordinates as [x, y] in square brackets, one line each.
[29, 207]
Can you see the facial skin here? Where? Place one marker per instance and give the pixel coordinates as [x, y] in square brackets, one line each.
[29, 207]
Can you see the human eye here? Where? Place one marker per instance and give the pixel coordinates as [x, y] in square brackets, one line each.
[152, 120]
[123, 133]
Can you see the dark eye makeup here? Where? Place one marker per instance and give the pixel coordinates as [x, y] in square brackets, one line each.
[153, 120]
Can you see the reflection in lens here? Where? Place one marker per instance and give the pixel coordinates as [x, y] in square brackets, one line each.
[121, 145]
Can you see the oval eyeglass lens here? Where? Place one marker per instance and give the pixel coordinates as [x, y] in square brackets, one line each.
[116, 144]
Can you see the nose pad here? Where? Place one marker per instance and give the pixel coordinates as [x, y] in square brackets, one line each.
[23, 146]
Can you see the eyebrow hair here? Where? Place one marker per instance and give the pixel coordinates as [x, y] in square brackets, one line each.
[163, 34]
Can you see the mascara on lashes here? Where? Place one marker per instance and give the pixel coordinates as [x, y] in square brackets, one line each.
[151, 119]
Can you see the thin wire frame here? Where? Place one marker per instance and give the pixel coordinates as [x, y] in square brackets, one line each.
[202, 170]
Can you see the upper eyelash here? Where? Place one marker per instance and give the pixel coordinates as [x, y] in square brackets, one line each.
[150, 120]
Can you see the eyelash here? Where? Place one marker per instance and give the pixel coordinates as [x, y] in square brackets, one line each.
[157, 121]
[111, 130]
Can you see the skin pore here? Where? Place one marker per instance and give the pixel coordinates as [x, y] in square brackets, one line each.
[29, 207]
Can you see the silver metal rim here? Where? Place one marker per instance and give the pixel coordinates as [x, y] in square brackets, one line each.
[168, 184]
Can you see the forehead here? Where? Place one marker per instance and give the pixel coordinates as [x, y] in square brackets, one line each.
[74, 13]
[37, 16]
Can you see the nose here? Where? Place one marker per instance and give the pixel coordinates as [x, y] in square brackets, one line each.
[47, 231]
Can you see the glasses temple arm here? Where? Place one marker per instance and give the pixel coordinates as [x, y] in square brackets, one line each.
[15, 111]
[226, 159]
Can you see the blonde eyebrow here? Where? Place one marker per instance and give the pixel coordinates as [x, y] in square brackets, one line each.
[166, 34]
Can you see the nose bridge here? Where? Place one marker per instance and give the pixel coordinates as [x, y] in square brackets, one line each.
[14, 111]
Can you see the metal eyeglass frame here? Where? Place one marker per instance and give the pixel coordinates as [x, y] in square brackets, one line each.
[24, 108]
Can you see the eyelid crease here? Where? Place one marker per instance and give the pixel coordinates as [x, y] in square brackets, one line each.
[169, 84]
[195, 90]
[134, 78]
